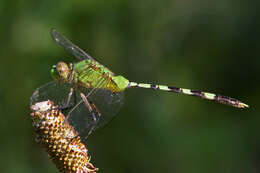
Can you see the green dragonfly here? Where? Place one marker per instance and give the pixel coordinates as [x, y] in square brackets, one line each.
[95, 93]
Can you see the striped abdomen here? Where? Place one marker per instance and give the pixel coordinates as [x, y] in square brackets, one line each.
[205, 95]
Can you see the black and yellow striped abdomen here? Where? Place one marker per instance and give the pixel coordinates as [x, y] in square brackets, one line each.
[205, 95]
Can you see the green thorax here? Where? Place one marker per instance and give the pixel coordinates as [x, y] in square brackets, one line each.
[91, 74]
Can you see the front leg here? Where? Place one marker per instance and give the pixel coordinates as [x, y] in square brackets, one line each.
[72, 92]
[66, 105]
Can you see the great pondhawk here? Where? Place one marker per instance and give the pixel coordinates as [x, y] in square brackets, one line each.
[94, 93]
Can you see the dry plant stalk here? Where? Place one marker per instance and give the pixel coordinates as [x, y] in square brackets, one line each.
[60, 139]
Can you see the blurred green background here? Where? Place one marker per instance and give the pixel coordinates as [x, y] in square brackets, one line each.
[208, 45]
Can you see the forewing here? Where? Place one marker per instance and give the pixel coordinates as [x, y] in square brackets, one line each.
[51, 91]
[107, 103]
[69, 46]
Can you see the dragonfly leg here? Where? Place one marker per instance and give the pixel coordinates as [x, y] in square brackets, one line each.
[74, 106]
[94, 113]
[96, 109]
[66, 105]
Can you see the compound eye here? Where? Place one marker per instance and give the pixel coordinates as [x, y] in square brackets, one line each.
[54, 73]
[63, 70]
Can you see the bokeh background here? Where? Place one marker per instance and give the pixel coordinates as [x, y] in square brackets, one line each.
[199, 44]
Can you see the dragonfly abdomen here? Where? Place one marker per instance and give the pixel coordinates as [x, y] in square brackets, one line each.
[205, 95]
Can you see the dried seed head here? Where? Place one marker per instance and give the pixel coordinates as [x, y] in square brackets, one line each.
[60, 139]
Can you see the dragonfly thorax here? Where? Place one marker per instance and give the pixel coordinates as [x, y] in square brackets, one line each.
[61, 72]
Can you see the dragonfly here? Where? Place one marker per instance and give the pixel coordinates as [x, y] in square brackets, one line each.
[95, 93]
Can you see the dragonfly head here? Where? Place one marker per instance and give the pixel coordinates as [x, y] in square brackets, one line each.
[60, 71]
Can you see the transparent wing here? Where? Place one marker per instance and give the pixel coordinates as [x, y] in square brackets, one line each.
[69, 46]
[107, 102]
[51, 91]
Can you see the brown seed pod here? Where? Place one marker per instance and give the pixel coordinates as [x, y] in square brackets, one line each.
[60, 139]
